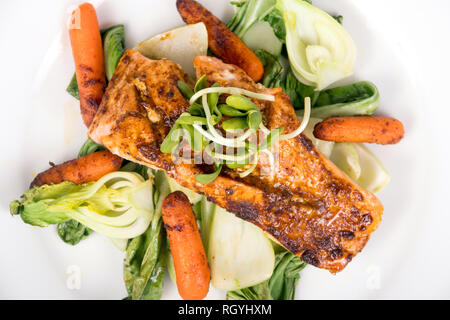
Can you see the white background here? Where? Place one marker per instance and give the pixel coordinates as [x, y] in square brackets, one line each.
[403, 47]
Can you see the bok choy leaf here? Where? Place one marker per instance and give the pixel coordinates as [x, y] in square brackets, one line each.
[255, 20]
[113, 47]
[283, 282]
[360, 98]
[273, 71]
[250, 12]
[119, 205]
[146, 255]
[72, 231]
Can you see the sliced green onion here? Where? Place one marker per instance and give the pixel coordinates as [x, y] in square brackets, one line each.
[304, 123]
[209, 136]
[233, 91]
[251, 168]
[263, 128]
[218, 138]
[228, 157]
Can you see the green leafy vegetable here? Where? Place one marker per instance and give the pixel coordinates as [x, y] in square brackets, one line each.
[113, 47]
[89, 147]
[117, 205]
[199, 130]
[137, 168]
[146, 255]
[339, 19]
[248, 14]
[255, 20]
[361, 98]
[72, 232]
[207, 211]
[257, 292]
[285, 275]
[273, 71]
[196, 110]
[72, 88]
[275, 19]
[297, 91]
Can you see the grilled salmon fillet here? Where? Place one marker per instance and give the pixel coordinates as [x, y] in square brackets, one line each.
[308, 205]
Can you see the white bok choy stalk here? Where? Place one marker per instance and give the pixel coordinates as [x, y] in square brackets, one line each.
[239, 253]
[361, 165]
[320, 50]
[119, 205]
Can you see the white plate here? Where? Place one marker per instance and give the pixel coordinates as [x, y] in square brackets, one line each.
[402, 47]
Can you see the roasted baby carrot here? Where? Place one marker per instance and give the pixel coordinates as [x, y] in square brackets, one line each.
[89, 59]
[82, 170]
[189, 258]
[221, 40]
[369, 129]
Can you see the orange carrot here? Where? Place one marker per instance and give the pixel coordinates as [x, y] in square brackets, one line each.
[82, 170]
[221, 40]
[189, 258]
[370, 129]
[88, 55]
